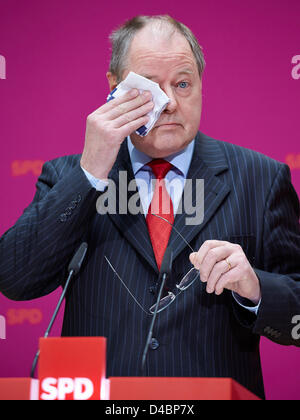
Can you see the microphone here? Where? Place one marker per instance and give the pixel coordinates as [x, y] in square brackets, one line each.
[77, 260]
[73, 269]
[165, 271]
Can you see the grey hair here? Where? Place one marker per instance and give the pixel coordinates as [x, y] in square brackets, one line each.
[122, 37]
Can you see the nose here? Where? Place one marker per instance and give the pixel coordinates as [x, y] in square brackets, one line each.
[172, 105]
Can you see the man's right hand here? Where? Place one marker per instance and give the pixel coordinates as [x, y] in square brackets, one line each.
[108, 126]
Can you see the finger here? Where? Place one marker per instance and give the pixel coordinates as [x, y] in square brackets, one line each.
[132, 126]
[212, 257]
[198, 257]
[217, 272]
[120, 108]
[228, 281]
[133, 115]
[108, 106]
[224, 267]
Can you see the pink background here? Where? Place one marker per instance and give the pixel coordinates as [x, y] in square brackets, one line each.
[57, 53]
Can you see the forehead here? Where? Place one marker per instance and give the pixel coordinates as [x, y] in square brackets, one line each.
[158, 48]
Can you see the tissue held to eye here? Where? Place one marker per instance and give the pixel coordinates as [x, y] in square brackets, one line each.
[159, 98]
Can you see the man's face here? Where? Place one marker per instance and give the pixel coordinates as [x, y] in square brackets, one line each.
[169, 61]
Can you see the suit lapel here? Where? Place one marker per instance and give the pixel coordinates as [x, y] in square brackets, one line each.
[207, 163]
[132, 226]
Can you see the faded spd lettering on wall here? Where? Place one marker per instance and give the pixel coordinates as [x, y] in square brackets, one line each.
[18, 316]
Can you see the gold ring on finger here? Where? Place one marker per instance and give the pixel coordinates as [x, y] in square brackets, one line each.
[229, 265]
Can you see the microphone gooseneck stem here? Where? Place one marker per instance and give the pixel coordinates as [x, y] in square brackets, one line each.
[34, 364]
[52, 321]
[73, 269]
[59, 304]
[164, 278]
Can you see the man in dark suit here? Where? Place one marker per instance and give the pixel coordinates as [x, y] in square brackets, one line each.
[246, 248]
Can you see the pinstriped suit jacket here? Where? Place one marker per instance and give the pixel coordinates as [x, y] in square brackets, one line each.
[249, 200]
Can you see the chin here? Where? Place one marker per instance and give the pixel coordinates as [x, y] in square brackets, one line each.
[167, 144]
[164, 147]
[160, 143]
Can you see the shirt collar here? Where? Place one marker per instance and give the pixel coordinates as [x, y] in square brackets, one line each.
[181, 160]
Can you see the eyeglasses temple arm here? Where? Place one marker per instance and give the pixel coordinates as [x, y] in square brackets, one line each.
[176, 230]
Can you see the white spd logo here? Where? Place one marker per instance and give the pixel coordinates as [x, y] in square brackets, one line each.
[58, 389]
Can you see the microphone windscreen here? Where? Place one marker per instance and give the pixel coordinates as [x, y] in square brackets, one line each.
[166, 265]
[78, 258]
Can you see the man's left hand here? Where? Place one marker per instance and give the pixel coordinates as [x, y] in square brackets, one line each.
[223, 265]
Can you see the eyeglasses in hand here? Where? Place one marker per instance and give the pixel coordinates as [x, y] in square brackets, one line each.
[184, 284]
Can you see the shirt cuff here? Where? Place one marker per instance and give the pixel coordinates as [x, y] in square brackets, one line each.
[96, 183]
[244, 303]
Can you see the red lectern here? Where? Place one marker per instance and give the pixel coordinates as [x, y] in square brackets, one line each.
[21, 389]
[178, 389]
[75, 369]
[72, 368]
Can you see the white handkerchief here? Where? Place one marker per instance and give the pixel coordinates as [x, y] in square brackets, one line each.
[159, 98]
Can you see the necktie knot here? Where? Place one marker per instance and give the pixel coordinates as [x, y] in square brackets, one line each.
[160, 167]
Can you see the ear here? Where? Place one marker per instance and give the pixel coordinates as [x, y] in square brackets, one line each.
[112, 80]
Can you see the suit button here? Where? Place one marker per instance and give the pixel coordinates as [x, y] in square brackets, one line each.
[152, 290]
[154, 344]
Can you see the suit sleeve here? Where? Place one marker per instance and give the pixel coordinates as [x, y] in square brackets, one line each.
[279, 274]
[35, 252]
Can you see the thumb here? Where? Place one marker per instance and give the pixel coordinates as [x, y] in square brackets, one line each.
[193, 256]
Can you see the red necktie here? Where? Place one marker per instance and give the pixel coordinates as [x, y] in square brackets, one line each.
[161, 204]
